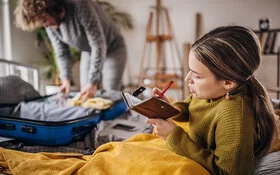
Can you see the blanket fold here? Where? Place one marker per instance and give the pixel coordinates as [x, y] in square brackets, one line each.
[141, 154]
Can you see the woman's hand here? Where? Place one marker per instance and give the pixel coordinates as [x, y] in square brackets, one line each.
[65, 87]
[162, 128]
[156, 91]
[88, 92]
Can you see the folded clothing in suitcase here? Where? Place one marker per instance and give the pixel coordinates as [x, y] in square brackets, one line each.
[116, 109]
[44, 122]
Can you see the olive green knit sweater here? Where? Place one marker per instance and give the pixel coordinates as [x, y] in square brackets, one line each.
[220, 135]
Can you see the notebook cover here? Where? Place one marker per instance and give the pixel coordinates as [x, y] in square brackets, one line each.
[152, 107]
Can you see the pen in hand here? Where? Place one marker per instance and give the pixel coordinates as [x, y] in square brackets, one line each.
[165, 89]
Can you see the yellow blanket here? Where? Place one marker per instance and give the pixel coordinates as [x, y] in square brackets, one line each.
[141, 154]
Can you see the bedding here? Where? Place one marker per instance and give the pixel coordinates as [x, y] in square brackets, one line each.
[141, 154]
[110, 153]
[268, 165]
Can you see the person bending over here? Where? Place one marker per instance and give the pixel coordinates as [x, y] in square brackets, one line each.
[85, 26]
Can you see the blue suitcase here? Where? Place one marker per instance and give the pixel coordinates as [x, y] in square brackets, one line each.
[47, 133]
[32, 130]
[55, 131]
[118, 108]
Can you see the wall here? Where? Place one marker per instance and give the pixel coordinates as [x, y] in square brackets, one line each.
[182, 14]
[1, 33]
[23, 47]
[214, 13]
[25, 50]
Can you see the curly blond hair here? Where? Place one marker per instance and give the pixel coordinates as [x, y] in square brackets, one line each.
[28, 13]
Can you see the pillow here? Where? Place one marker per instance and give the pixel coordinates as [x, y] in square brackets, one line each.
[14, 90]
[269, 164]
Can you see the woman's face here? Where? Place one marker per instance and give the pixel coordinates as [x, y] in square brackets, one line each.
[50, 21]
[202, 82]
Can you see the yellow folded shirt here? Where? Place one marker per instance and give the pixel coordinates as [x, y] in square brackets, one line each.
[95, 103]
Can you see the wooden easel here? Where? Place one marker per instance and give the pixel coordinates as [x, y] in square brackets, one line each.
[160, 74]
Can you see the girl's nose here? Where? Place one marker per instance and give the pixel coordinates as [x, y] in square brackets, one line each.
[188, 78]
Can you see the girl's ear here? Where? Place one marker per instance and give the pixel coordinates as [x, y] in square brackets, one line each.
[229, 85]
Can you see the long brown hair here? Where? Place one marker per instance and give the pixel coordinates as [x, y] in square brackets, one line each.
[28, 13]
[233, 53]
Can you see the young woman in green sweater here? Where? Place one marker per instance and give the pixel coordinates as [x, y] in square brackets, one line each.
[231, 119]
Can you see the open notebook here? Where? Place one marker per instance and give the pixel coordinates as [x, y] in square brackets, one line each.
[152, 107]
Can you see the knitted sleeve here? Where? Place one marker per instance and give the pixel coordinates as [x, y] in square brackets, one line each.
[234, 143]
[184, 105]
[90, 21]
[62, 54]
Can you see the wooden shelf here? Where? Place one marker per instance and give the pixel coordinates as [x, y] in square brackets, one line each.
[270, 30]
[270, 54]
[270, 47]
[274, 89]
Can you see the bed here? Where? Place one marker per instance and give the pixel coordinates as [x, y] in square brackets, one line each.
[79, 156]
[268, 165]
[147, 152]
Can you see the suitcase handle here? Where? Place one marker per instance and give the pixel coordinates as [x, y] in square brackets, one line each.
[29, 129]
[78, 129]
[7, 127]
[78, 137]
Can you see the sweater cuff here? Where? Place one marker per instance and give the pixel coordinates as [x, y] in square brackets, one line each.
[65, 76]
[96, 78]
